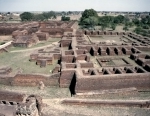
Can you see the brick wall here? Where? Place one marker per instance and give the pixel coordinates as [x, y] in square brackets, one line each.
[81, 57]
[139, 81]
[66, 77]
[87, 65]
[11, 96]
[5, 80]
[68, 59]
[71, 65]
[34, 79]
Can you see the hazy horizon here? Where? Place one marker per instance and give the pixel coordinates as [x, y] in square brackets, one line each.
[76, 5]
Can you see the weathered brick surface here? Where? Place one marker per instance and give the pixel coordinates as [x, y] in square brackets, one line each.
[87, 65]
[66, 77]
[11, 96]
[71, 65]
[34, 79]
[139, 81]
[5, 79]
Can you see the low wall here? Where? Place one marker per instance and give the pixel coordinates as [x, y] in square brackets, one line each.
[125, 103]
[68, 59]
[116, 81]
[81, 57]
[34, 79]
[143, 48]
[11, 96]
[71, 65]
[5, 80]
[7, 30]
[87, 65]
[66, 78]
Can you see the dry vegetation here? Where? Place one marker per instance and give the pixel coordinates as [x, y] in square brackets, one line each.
[20, 60]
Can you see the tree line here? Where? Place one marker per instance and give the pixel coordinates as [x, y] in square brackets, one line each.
[28, 16]
[90, 19]
[142, 26]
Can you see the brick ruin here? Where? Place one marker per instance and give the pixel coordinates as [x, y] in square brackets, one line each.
[99, 33]
[111, 62]
[74, 54]
[142, 60]
[42, 36]
[46, 56]
[29, 33]
[9, 28]
[77, 64]
[82, 65]
[19, 33]
[118, 103]
[25, 40]
[5, 70]
[17, 104]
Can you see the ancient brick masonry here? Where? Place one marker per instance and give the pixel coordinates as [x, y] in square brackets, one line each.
[15, 104]
[75, 54]
[28, 34]
[44, 57]
[56, 29]
[34, 79]
[42, 36]
[104, 62]
[25, 40]
[142, 59]
[9, 28]
[112, 79]
[5, 70]
[98, 33]
[77, 70]
[19, 33]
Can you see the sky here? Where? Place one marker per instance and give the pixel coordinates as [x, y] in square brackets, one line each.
[74, 5]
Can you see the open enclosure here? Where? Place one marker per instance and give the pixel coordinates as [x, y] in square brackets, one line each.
[60, 59]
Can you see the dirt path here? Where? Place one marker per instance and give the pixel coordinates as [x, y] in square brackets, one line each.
[55, 108]
[31, 49]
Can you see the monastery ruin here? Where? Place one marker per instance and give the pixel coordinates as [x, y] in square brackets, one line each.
[86, 62]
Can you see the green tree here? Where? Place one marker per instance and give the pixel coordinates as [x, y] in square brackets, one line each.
[88, 13]
[125, 28]
[64, 18]
[103, 26]
[39, 17]
[69, 12]
[138, 30]
[113, 26]
[91, 22]
[106, 19]
[54, 17]
[119, 19]
[136, 21]
[48, 15]
[26, 16]
[145, 26]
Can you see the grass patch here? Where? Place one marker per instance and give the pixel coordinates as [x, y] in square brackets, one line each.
[1, 43]
[40, 44]
[21, 61]
[48, 92]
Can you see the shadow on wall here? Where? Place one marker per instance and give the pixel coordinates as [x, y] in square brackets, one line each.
[72, 85]
[92, 52]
